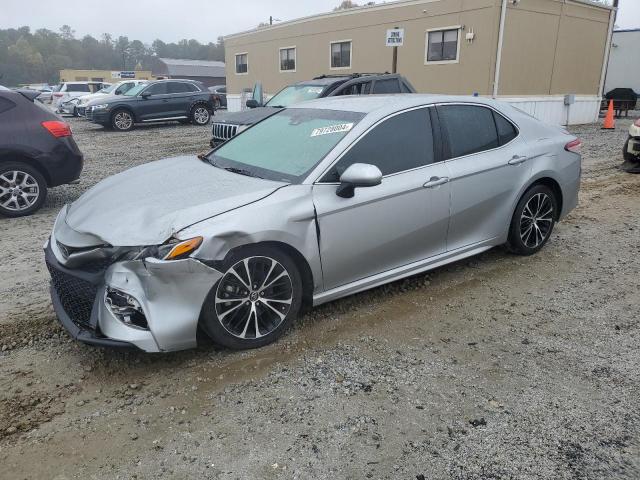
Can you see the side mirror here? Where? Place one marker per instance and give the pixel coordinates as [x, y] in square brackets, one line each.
[145, 95]
[358, 175]
[252, 103]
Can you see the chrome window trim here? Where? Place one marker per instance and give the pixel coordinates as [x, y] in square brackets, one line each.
[430, 105]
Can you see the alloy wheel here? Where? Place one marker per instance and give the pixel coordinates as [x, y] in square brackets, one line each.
[18, 190]
[123, 121]
[201, 116]
[536, 220]
[253, 297]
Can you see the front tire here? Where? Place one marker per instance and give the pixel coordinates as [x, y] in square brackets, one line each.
[200, 115]
[122, 120]
[255, 301]
[533, 220]
[23, 189]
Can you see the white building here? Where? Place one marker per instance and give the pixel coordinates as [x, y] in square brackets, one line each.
[624, 61]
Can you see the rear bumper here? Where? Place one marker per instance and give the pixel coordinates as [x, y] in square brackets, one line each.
[63, 163]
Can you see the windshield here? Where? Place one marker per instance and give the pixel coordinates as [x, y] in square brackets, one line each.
[135, 90]
[287, 145]
[108, 89]
[294, 94]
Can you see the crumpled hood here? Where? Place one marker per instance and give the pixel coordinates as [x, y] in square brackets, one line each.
[146, 205]
[247, 117]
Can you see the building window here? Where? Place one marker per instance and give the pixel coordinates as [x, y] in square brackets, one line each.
[341, 54]
[242, 63]
[288, 59]
[443, 45]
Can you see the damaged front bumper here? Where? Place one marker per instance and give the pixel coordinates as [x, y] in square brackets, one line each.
[166, 297]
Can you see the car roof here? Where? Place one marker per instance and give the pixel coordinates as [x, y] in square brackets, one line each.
[175, 80]
[82, 83]
[386, 104]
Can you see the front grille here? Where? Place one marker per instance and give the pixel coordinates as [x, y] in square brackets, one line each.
[81, 111]
[223, 131]
[88, 113]
[76, 295]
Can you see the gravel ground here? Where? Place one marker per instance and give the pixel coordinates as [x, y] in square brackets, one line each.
[498, 367]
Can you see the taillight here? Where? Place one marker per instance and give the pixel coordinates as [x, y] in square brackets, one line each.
[637, 123]
[574, 146]
[58, 94]
[57, 129]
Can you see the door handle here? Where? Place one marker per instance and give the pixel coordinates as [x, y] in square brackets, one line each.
[517, 160]
[436, 181]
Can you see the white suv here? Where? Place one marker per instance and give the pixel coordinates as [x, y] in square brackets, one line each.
[76, 106]
[67, 90]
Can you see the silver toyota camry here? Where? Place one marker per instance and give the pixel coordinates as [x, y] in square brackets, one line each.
[316, 202]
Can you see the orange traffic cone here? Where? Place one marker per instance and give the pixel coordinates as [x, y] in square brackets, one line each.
[609, 122]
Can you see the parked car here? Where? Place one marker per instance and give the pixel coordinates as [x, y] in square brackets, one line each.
[219, 96]
[44, 89]
[67, 90]
[46, 95]
[631, 150]
[346, 194]
[37, 152]
[319, 87]
[159, 101]
[76, 106]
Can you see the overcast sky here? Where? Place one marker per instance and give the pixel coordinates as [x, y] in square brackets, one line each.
[171, 20]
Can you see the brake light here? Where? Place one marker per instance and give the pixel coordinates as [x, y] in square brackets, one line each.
[637, 123]
[57, 129]
[58, 94]
[574, 146]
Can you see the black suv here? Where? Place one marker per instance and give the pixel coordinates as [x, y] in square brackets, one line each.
[36, 152]
[319, 87]
[159, 101]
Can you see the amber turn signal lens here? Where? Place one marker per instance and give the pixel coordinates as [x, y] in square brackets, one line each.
[184, 248]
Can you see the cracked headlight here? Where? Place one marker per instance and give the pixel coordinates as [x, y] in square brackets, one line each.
[241, 128]
[172, 250]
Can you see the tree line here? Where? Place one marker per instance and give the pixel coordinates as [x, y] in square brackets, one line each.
[35, 57]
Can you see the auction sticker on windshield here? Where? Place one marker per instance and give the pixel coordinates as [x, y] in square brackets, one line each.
[343, 127]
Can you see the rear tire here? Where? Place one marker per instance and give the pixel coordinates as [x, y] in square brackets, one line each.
[23, 189]
[533, 220]
[122, 120]
[255, 301]
[200, 115]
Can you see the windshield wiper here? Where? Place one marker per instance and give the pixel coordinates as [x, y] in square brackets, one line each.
[241, 171]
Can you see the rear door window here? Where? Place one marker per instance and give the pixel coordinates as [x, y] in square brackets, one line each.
[402, 142]
[179, 87]
[77, 87]
[468, 128]
[386, 86]
[506, 130]
[157, 89]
